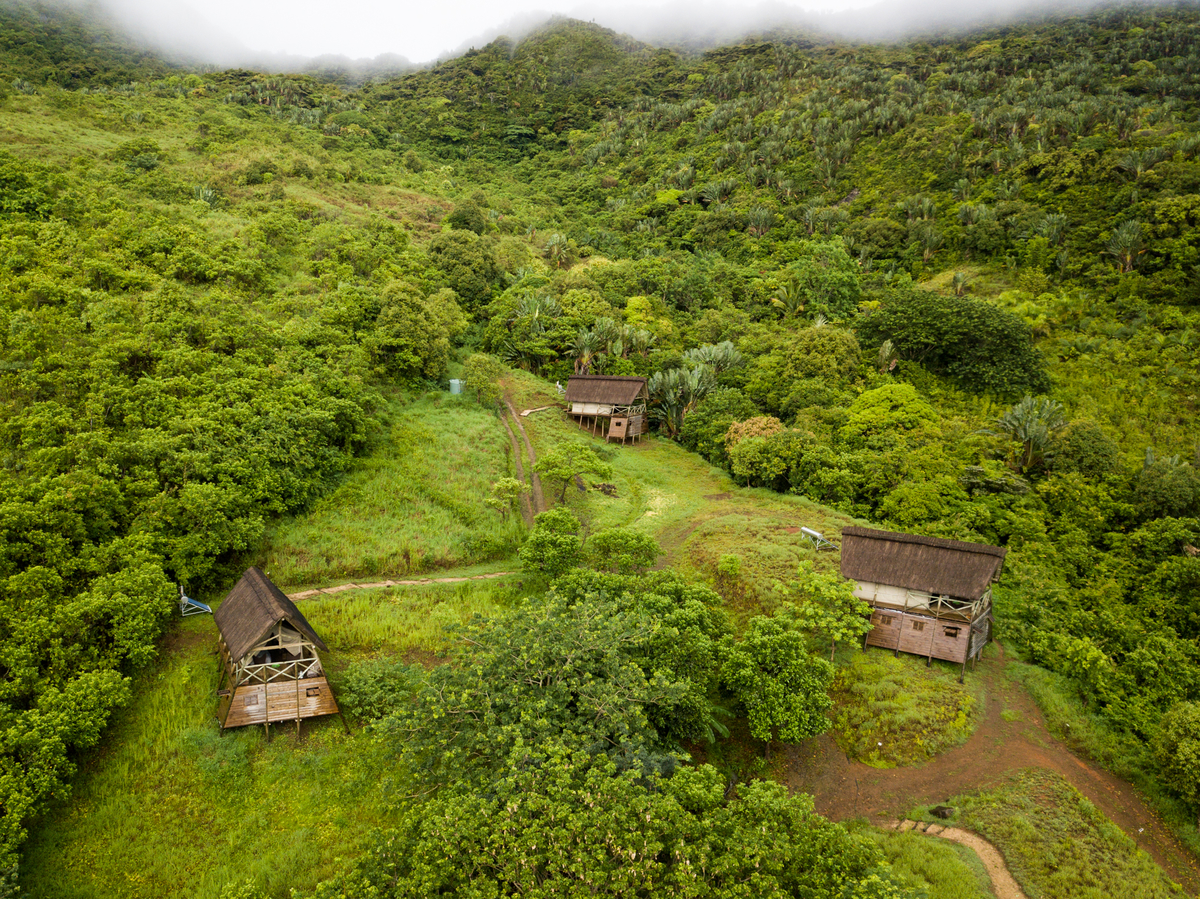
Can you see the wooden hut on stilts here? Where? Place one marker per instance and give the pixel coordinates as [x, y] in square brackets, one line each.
[610, 406]
[928, 596]
[270, 671]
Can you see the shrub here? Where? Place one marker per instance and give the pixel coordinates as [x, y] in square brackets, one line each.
[984, 348]
[553, 547]
[622, 551]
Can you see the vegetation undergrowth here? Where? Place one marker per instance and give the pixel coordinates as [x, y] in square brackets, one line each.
[893, 711]
[1092, 736]
[936, 869]
[1056, 843]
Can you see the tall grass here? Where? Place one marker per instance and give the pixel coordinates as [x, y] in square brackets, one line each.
[415, 504]
[1056, 843]
[402, 619]
[933, 868]
[894, 711]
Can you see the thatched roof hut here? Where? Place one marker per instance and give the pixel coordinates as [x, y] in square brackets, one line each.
[928, 596]
[614, 403]
[271, 670]
[928, 564]
[606, 390]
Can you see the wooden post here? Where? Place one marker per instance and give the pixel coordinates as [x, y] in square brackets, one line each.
[900, 630]
[296, 672]
[936, 624]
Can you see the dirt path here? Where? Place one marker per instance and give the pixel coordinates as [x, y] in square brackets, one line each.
[535, 483]
[1003, 883]
[846, 789]
[526, 503]
[413, 582]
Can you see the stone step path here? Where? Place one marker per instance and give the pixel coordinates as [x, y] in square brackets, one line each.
[1003, 883]
[378, 585]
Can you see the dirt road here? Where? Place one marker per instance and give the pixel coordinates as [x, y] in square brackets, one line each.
[846, 789]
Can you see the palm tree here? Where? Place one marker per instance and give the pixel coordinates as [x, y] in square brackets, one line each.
[789, 297]
[1031, 423]
[1126, 244]
[676, 392]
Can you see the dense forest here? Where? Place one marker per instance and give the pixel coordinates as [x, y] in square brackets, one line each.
[948, 287]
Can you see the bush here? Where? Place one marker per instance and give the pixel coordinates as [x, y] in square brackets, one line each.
[467, 217]
[984, 348]
[376, 687]
[704, 429]
[622, 551]
[553, 547]
[1083, 446]
[1167, 488]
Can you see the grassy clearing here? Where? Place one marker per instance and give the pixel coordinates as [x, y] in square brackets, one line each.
[415, 504]
[406, 619]
[695, 511]
[168, 807]
[1056, 843]
[894, 711]
[933, 868]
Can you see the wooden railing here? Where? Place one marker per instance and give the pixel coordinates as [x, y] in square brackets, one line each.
[271, 672]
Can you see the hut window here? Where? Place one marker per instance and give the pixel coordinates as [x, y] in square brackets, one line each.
[252, 699]
[918, 625]
[313, 691]
[951, 632]
[885, 620]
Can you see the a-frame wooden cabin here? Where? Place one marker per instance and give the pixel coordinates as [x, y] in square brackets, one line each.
[928, 596]
[613, 405]
[270, 668]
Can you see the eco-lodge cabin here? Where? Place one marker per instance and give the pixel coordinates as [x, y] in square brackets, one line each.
[270, 668]
[612, 405]
[928, 596]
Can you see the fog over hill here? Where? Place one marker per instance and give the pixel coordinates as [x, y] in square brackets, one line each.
[371, 36]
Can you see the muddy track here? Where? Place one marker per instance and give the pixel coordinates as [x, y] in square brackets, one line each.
[845, 789]
[537, 500]
[526, 503]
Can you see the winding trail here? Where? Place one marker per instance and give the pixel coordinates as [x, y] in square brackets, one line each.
[845, 789]
[1004, 885]
[535, 483]
[526, 504]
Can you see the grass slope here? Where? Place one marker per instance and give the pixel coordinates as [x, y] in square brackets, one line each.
[1056, 843]
[414, 505]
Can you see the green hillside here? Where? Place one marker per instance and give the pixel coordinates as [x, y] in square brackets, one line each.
[946, 287]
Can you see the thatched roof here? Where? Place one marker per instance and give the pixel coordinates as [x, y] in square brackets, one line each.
[615, 390]
[252, 608]
[930, 564]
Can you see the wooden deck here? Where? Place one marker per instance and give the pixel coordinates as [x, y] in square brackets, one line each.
[277, 701]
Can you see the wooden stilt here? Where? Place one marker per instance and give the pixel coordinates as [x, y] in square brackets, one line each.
[900, 629]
